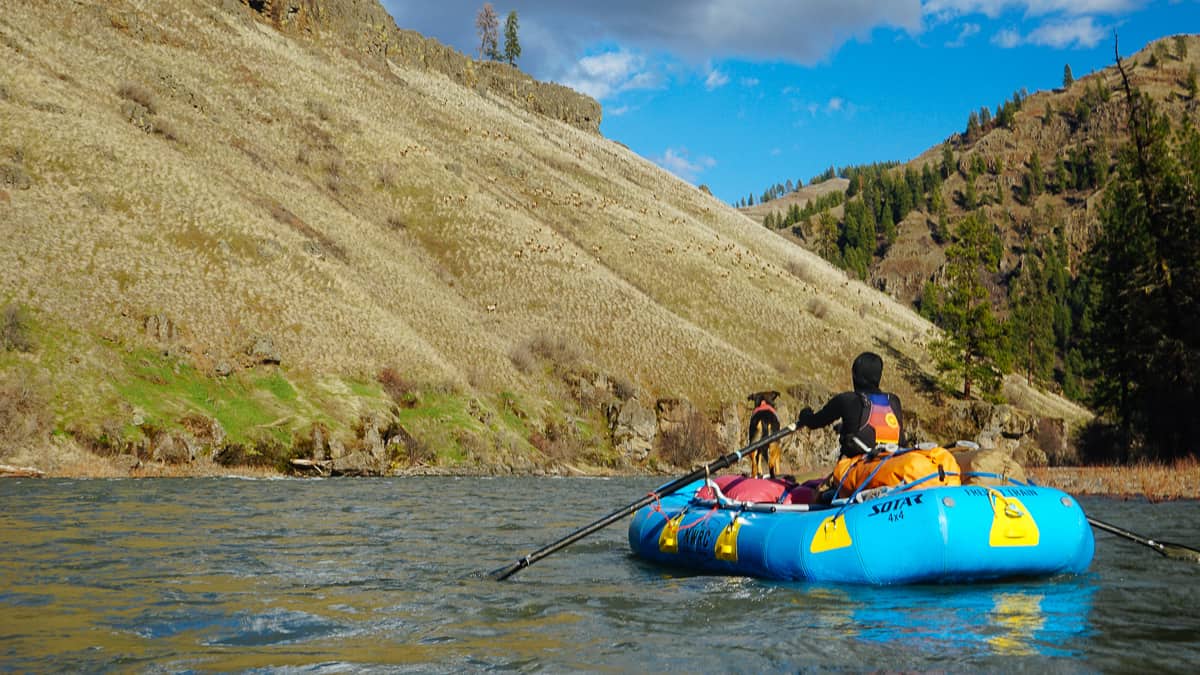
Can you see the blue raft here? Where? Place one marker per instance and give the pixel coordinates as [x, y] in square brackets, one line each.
[935, 535]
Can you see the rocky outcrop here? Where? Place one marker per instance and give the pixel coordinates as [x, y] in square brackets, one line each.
[367, 26]
[633, 428]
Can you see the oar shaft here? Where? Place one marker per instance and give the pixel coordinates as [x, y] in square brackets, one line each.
[716, 465]
[1113, 529]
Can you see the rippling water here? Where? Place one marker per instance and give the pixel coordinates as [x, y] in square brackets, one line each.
[383, 575]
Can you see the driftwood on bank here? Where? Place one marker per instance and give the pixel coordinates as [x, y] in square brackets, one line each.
[321, 468]
[326, 467]
[10, 471]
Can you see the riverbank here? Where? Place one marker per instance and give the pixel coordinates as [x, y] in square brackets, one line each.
[1152, 482]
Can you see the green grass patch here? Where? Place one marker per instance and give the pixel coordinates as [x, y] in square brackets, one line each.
[278, 386]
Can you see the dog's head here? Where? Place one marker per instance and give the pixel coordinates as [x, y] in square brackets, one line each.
[760, 397]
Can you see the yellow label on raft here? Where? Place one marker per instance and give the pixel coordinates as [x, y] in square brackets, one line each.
[668, 541]
[726, 548]
[1012, 524]
[831, 535]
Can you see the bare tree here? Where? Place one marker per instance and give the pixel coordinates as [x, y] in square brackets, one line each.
[488, 25]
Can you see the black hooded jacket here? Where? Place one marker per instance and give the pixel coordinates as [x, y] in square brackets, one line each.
[851, 407]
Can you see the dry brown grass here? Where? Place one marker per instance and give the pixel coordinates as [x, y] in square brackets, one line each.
[24, 410]
[139, 94]
[1155, 482]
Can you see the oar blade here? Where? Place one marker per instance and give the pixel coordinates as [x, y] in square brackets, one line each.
[1179, 552]
[502, 573]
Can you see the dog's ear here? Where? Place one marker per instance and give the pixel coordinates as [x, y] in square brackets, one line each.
[770, 396]
[753, 398]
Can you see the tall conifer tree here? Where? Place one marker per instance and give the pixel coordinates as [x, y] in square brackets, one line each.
[512, 45]
[963, 309]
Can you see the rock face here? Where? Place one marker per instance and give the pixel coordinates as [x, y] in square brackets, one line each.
[367, 26]
[634, 428]
[1001, 427]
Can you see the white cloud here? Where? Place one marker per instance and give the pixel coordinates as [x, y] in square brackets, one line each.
[681, 164]
[748, 82]
[715, 80]
[967, 31]
[1007, 38]
[835, 104]
[1060, 34]
[603, 75]
[943, 10]
[1080, 32]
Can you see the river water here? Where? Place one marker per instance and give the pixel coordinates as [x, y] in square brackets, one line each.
[383, 575]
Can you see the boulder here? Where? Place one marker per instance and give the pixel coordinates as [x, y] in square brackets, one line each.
[357, 463]
[988, 460]
[1054, 438]
[262, 350]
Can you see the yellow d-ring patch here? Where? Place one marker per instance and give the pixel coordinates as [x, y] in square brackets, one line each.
[726, 548]
[832, 534]
[668, 541]
[891, 420]
[1012, 524]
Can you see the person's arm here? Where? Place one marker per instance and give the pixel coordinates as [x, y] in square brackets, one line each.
[832, 412]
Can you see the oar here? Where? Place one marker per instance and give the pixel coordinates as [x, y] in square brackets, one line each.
[728, 460]
[1173, 551]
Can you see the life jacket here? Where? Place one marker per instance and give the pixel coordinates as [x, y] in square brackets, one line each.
[937, 464]
[880, 418]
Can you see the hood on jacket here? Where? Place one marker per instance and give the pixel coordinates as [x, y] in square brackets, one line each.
[867, 371]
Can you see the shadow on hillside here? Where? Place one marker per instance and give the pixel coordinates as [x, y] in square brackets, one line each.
[918, 379]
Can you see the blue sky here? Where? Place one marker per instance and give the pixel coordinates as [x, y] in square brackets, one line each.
[742, 94]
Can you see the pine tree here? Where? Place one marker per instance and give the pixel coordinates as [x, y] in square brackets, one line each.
[488, 25]
[1031, 323]
[1068, 78]
[1036, 179]
[948, 165]
[828, 235]
[1144, 337]
[962, 308]
[1062, 177]
[1191, 82]
[970, 200]
[512, 46]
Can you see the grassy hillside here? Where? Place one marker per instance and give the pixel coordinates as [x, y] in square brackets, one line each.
[213, 214]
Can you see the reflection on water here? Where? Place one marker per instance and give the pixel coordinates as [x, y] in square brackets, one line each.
[1029, 618]
[350, 575]
[1019, 616]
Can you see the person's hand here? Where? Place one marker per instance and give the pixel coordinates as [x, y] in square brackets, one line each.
[804, 416]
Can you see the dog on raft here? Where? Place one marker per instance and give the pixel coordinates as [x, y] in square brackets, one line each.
[764, 422]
